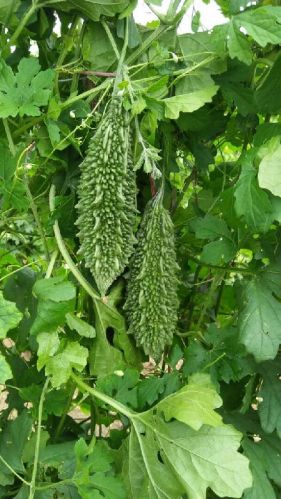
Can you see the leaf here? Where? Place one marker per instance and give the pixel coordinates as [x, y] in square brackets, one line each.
[194, 404]
[260, 319]
[91, 9]
[188, 102]
[251, 202]
[50, 315]
[263, 451]
[8, 163]
[48, 346]
[122, 388]
[223, 357]
[55, 454]
[261, 485]
[26, 91]
[269, 407]
[262, 24]
[5, 370]
[210, 227]
[91, 473]
[13, 438]
[265, 132]
[238, 45]
[206, 49]
[105, 358]
[269, 175]
[60, 366]
[218, 252]
[97, 48]
[149, 390]
[54, 289]
[9, 316]
[82, 327]
[56, 299]
[170, 459]
[90, 468]
[267, 96]
[14, 195]
[193, 81]
[241, 96]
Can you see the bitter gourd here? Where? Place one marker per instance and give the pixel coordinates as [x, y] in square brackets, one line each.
[107, 198]
[152, 303]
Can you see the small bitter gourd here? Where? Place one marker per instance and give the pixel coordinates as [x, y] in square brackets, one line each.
[152, 303]
[107, 198]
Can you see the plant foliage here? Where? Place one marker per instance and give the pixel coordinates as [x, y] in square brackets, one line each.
[140, 257]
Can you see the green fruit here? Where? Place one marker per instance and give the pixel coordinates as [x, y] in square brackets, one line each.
[107, 199]
[152, 303]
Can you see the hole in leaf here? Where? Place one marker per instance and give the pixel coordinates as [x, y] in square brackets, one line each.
[110, 335]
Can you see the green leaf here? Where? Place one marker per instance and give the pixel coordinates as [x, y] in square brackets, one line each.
[97, 48]
[60, 366]
[238, 45]
[9, 316]
[56, 454]
[269, 171]
[267, 97]
[121, 386]
[269, 407]
[82, 327]
[26, 91]
[14, 195]
[5, 370]
[48, 346]
[241, 96]
[56, 299]
[91, 9]
[261, 484]
[260, 319]
[8, 163]
[210, 227]
[50, 315]
[194, 404]
[191, 461]
[262, 24]
[92, 473]
[13, 439]
[266, 131]
[188, 102]
[223, 356]
[55, 289]
[218, 252]
[105, 358]
[204, 49]
[263, 451]
[251, 202]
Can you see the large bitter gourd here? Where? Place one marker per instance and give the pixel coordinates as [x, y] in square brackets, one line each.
[107, 199]
[152, 303]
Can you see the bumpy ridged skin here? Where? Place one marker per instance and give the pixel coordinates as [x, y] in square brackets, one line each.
[152, 303]
[107, 199]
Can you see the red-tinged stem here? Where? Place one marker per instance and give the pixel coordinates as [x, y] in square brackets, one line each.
[152, 186]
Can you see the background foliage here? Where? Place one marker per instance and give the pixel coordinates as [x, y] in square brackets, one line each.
[205, 421]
